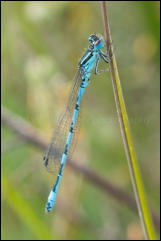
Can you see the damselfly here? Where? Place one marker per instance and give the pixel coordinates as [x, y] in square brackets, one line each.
[61, 143]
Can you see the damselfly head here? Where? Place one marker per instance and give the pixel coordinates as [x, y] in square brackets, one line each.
[96, 41]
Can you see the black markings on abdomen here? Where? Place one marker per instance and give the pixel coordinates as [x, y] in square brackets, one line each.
[77, 107]
[61, 169]
[66, 149]
[71, 129]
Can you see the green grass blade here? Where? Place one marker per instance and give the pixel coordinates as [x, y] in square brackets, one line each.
[24, 211]
[127, 139]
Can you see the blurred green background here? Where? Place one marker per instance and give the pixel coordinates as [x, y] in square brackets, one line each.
[41, 44]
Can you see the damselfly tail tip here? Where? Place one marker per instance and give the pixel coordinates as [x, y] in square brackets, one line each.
[48, 208]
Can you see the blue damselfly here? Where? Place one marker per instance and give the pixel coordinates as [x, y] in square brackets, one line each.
[59, 148]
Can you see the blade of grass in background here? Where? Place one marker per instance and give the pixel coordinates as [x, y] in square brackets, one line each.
[24, 211]
[127, 139]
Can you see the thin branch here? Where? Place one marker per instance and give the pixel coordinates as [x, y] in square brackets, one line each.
[126, 135]
[28, 133]
[12, 144]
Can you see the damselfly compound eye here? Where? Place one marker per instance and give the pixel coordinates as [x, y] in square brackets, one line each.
[93, 38]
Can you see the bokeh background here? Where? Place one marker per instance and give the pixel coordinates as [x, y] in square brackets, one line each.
[41, 44]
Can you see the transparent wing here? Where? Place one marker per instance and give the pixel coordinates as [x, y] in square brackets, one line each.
[56, 147]
[74, 139]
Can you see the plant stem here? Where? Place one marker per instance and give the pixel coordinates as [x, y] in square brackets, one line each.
[142, 205]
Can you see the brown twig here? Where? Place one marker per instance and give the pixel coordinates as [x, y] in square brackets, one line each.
[33, 136]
